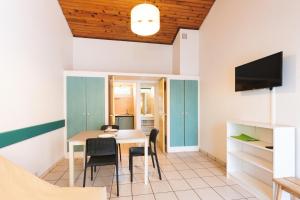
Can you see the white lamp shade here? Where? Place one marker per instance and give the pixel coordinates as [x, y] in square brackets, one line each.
[145, 19]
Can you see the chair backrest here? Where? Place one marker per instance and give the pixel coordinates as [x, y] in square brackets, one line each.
[153, 136]
[104, 127]
[101, 147]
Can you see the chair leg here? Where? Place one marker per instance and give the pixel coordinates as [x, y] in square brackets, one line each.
[120, 152]
[95, 169]
[157, 164]
[117, 177]
[151, 153]
[129, 160]
[91, 173]
[84, 176]
[131, 167]
[129, 164]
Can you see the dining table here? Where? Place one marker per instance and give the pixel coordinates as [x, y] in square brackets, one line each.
[121, 136]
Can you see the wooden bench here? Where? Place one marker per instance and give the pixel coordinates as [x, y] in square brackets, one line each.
[289, 184]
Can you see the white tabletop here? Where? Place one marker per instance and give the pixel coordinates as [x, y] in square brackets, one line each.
[122, 136]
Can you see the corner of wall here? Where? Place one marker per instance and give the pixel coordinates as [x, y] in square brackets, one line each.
[176, 55]
[186, 52]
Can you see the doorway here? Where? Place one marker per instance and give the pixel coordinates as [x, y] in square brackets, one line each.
[122, 104]
[137, 102]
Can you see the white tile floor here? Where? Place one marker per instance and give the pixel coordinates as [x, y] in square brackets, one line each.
[185, 176]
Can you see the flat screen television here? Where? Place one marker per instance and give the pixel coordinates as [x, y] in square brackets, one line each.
[263, 73]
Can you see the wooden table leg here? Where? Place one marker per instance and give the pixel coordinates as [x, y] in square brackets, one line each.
[71, 164]
[275, 191]
[146, 161]
[278, 192]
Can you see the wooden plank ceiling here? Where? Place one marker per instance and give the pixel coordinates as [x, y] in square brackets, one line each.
[110, 19]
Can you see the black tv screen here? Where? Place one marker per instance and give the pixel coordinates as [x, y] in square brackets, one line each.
[263, 73]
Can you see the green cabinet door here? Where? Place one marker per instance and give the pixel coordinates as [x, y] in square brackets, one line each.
[95, 97]
[191, 112]
[76, 105]
[176, 113]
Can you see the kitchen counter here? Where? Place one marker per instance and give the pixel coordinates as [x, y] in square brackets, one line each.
[124, 115]
[125, 121]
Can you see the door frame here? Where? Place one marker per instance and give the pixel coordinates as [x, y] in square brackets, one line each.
[161, 115]
[185, 148]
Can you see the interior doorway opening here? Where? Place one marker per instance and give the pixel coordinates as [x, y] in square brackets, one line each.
[137, 102]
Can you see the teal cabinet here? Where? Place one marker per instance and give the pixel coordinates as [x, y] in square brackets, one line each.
[177, 112]
[76, 105]
[183, 113]
[85, 104]
[95, 97]
[191, 112]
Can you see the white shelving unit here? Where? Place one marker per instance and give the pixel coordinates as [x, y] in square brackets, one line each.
[252, 164]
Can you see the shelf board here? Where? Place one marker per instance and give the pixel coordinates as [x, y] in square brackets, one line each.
[259, 124]
[256, 144]
[258, 187]
[258, 162]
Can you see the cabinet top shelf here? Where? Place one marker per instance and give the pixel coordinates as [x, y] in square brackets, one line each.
[258, 124]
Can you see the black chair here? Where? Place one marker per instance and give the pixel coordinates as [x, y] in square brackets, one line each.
[101, 151]
[139, 151]
[104, 127]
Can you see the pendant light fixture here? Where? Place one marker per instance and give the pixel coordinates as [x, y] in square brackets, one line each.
[145, 19]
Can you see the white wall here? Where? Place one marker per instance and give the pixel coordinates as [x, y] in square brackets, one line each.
[121, 56]
[36, 45]
[186, 52]
[236, 32]
[189, 52]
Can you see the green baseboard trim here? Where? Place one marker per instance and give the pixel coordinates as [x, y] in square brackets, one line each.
[15, 136]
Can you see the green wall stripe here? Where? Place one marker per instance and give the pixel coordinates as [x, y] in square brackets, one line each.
[14, 136]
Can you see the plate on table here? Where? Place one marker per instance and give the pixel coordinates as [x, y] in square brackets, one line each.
[107, 135]
[111, 130]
